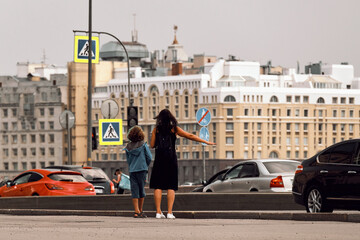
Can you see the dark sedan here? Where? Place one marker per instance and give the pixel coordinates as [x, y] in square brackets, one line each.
[95, 176]
[330, 179]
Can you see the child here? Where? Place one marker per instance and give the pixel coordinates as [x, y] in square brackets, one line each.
[138, 156]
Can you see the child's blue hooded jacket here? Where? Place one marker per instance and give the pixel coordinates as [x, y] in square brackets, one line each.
[138, 156]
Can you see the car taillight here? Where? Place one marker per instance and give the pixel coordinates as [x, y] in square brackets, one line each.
[89, 188]
[51, 186]
[299, 169]
[112, 187]
[277, 182]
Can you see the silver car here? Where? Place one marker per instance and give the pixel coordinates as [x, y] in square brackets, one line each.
[265, 175]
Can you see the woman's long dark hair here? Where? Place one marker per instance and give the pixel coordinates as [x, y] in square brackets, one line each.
[165, 121]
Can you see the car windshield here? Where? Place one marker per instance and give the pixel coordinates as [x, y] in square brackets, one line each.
[93, 174]
[281, 167]
[65, 177]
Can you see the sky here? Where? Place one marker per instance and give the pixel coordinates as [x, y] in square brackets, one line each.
[283, 31]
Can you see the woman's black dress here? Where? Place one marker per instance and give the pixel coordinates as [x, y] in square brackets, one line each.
[164, 174]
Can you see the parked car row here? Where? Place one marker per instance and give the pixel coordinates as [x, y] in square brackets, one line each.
[59, 180]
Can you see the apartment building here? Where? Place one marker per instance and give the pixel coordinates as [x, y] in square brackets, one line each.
[30, 132]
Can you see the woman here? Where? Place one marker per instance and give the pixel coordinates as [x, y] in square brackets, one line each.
[118, 174]
[164, 175]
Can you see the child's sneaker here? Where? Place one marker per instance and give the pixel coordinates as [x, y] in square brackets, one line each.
[159, 215]
[170, 216]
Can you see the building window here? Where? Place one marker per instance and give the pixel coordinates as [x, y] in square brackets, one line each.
[214, 112]
[104, 156]
[246, 112]
[320, 100]
[297, 99]
[51, 111]
[229, 112]
[297, 112]
[342, 127]
[342, 100]
[273, 140]
[229, 126]
[342, 113]
[246, 140]
[351, 128]
[33, 138]
[52, 152]
[320, 113]
[273, 155]
[258, 140]
[288, 112]
[246, 126]
[42, 111]
[5, 139]
[229, 140]
[229, 98]
[297, 141]
[5, 126]
[306, 112]
[195, 155]
[185, 155]
[288, 154]
[259, 111]
[14, 139]
[15, 152]
[51, 138]
[288, 126]
[259, 126]
[305, 141]
[334, 100]
[274, 99]
[334, 113]
[42, 125]
[274, 126]
[14, 112]
[24, 152]
[334, 127]
[351, 100]
[229, 154]
[246, 155]
[305, 127]
[273, 111]
[42, 151]
[51, 125]
[42, 138]
[33, 151]
[351, 113]
[288, 141]
[306, 99]
[14, 126]
[288, 99]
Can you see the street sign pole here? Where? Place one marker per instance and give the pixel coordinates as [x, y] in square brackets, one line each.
[203, 118]
[89, 88]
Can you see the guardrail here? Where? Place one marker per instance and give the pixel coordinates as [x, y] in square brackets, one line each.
[183, 202]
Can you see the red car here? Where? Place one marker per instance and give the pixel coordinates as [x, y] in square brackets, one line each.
[42, 182]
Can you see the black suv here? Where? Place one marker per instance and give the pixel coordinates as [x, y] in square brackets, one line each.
[330, 179]
[94, 175]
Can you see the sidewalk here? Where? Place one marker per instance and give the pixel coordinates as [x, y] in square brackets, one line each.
[341, 216]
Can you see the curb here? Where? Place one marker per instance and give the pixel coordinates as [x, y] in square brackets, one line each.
[295, 216]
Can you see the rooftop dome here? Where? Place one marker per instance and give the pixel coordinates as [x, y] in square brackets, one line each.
[114, 51]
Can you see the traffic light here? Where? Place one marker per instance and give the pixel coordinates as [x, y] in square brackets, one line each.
[132, 116]
[94, 139]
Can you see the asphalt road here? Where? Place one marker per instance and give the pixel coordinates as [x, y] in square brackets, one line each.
[14, 227]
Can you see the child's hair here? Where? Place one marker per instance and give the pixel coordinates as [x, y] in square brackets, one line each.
[136, 134]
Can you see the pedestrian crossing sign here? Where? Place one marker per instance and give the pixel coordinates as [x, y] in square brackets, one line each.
[82, 50]
[110, 132]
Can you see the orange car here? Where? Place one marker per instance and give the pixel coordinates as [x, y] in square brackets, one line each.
[42, 182]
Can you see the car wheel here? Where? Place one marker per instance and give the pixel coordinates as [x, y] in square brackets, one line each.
[315, 201]
[35, 194]
[209, 190]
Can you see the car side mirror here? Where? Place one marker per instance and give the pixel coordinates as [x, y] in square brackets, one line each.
[203, 182]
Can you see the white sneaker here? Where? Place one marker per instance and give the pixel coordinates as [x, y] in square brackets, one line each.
[170, 216]
[159, 215]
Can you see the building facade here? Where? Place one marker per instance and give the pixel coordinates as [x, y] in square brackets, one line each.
[30, 132]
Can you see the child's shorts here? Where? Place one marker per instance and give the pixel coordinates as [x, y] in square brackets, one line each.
[137, 182]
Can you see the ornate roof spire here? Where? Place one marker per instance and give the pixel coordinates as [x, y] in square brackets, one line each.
[175, 30]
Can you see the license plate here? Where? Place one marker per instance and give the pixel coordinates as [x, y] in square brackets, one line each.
[99, 190]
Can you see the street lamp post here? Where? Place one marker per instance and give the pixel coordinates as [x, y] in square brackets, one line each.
[90, 81]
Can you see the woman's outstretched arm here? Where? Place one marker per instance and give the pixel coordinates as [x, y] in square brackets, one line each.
[191, 136]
